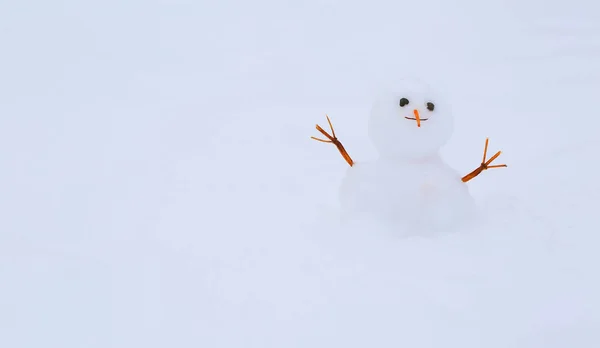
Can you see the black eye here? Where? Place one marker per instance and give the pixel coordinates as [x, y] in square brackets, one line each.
[430, 106]
[403, 101]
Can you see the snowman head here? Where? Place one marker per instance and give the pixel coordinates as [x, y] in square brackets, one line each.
[410, 121]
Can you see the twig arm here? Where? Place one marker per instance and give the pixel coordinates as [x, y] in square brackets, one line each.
[331, 138]
[485, 164]
[472, 174]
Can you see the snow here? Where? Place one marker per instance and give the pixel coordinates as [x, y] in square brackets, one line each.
[159, 186]
[411, 198]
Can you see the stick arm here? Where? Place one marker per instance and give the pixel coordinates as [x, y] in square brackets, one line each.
[485, 164]
[331, 138]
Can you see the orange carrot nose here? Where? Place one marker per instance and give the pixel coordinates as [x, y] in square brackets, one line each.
[416, 112]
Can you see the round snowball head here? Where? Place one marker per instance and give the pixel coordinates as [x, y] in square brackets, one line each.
[410, 121]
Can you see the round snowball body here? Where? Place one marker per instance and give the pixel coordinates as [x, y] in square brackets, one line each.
[413, 196]
[410, 121]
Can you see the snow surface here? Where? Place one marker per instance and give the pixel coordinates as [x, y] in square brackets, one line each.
[159, 187]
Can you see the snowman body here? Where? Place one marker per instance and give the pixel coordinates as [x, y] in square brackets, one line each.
[425, 195]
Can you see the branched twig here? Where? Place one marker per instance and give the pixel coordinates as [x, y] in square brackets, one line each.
[485, 164]
[333, 139]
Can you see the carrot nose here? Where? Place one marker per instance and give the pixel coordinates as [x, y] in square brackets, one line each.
[416, 112]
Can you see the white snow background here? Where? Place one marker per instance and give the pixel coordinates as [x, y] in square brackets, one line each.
[158, 187]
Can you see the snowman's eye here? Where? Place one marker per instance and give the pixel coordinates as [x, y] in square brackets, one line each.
[430, 106]
[403, 101]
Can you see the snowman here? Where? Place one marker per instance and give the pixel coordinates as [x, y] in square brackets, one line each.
[409, 184]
